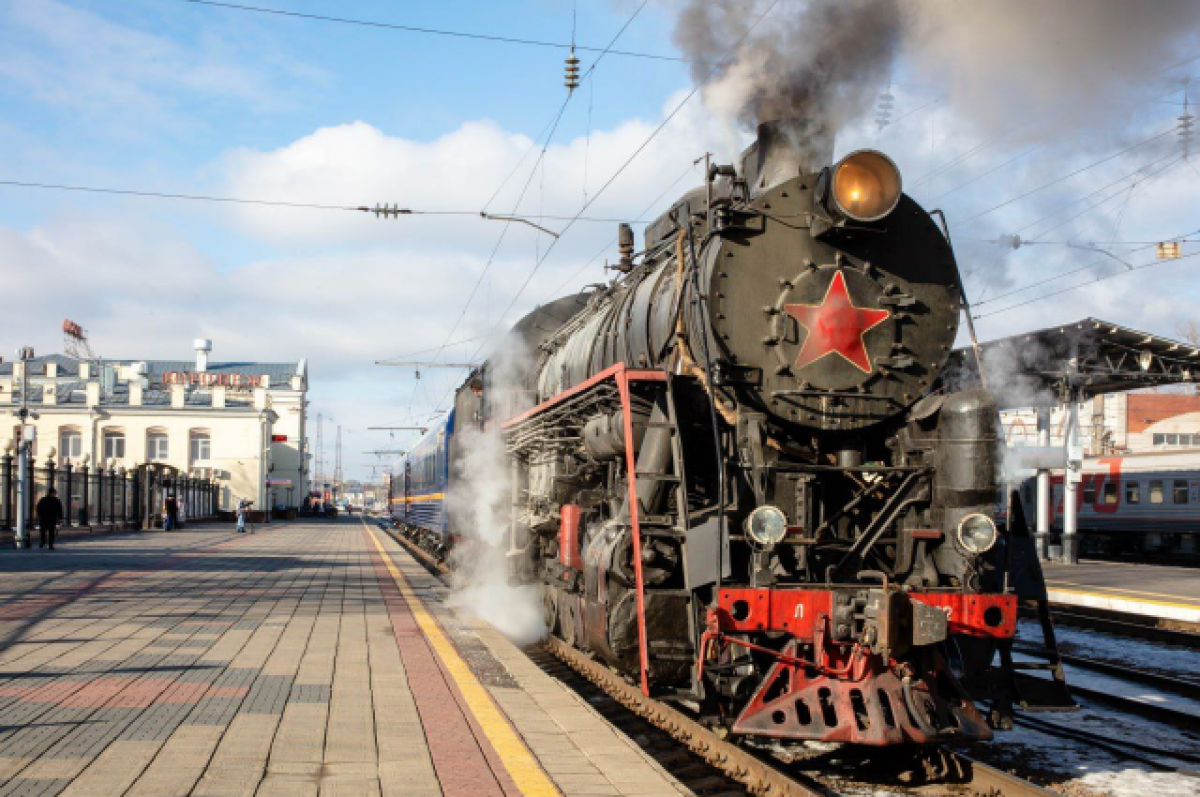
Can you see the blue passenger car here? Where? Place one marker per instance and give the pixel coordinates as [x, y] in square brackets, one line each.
[418, 499]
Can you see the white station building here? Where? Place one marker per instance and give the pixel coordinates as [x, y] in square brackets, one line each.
[240, 423]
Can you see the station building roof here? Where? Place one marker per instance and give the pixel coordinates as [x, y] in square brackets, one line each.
[68, 366]
[71, 387]
[1082, 359]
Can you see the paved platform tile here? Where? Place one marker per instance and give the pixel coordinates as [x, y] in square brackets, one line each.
[307, 659]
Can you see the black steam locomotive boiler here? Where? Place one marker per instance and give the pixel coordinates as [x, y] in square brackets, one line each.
[736, 475]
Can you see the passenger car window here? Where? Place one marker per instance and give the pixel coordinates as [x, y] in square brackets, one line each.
[1110, 493]
[1180, 492]
[1156, 492]
[1089, 493]
[1132, 493]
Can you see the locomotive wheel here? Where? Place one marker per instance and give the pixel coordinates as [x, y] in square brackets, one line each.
[550, 609]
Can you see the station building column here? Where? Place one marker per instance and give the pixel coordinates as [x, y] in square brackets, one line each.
[1043, 486]
[1072, 476]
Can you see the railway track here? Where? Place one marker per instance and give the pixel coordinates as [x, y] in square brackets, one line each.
[1181, 685]
[712, 766]
[1184, 635]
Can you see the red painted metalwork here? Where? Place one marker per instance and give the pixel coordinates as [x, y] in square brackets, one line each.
[864, 702]
[792, 610]
[992, 616]
[568, 536]
[925, 534]
[617, 371]
[623, 376]
[636, 527]
[796, 611]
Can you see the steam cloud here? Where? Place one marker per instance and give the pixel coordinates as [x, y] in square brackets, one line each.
[825, 62]
[478, 502]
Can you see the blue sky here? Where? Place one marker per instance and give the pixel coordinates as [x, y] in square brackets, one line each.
[165, 95]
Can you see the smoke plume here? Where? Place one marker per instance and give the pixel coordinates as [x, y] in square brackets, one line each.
[998, 62]
[817, 62]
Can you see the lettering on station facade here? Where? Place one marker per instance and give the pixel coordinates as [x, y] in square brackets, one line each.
[210, 379]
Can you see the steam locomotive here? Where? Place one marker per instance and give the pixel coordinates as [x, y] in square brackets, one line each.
[735, 474]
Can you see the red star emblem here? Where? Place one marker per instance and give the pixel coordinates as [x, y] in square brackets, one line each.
[836, 325]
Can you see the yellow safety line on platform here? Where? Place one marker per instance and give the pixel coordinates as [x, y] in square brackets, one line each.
[1130, 594]
[415, 498]
[525, 770]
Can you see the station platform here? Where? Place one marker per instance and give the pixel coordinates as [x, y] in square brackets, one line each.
[309, 658]
[1166, 593]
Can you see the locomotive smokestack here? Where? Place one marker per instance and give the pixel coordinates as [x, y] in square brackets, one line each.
[784, 149]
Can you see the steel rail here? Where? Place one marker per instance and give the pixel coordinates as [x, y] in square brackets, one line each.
[1124, 625]
[1178, 685]
[741, 765]
[1121, 748]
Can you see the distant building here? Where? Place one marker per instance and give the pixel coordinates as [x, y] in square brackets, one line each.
[241, 423]
[1118, 423]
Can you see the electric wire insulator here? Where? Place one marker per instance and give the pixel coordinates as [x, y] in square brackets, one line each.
[390, 212]
[572, 72]
[883, 109]
[1186, 124]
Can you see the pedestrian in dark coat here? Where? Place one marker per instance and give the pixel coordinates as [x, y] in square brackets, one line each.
[172, 507]
[50, 513]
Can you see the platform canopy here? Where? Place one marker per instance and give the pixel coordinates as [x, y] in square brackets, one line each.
[1077, 360]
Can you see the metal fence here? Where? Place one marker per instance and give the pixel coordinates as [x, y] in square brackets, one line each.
[129, 498]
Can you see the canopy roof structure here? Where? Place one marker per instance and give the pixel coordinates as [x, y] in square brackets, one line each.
[1073, 362]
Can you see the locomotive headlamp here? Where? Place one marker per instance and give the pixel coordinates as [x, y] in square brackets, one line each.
[866, 185]
[977, 534]
[766, 526]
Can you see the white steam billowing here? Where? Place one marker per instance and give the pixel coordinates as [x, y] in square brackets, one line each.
[478, 503]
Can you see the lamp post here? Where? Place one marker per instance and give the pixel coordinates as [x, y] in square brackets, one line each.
[28, 433]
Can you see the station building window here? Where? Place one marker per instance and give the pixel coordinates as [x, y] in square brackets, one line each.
[1171, 439]
[200, 446]
[1179, 492]
[158, 447]
[1156, 492]
[1133, 493]
[114, 444]
[70, 444]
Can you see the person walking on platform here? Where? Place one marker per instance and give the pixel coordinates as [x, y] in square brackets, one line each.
[243, 509]
[172, 518]
[50, 513]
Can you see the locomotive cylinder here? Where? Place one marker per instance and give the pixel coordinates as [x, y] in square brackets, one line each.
[966, 451]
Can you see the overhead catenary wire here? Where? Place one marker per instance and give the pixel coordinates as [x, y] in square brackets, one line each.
[620, 169]
[1141, 247]
[1028, 126]
[541, 157]
[1142, 174]
[379, 210]
[1042, 297]
[1140, 177]
[613, 242]
[1074, 173]
[367, 23]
